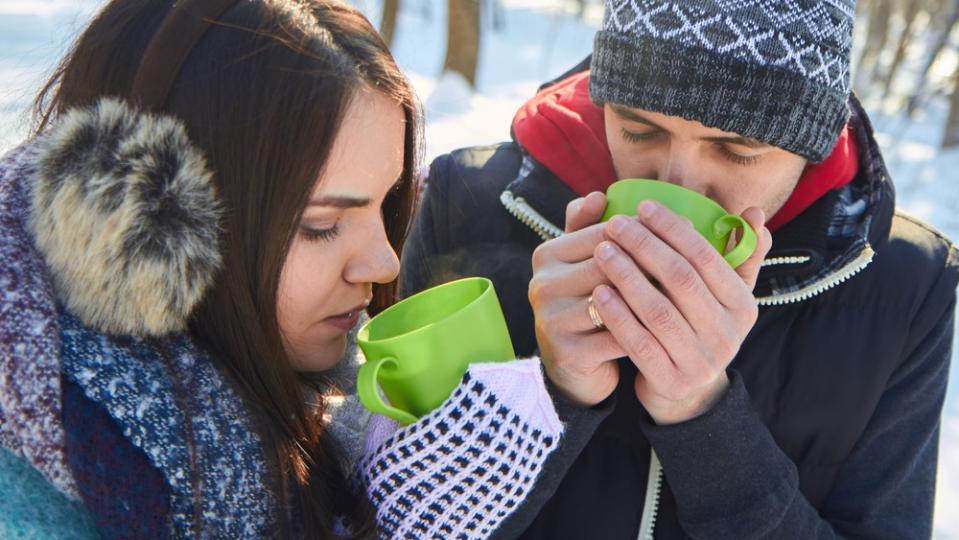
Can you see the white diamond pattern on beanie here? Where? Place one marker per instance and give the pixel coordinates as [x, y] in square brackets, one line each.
[811, 38]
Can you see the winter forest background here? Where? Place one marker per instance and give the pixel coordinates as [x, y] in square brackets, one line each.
[473, 79]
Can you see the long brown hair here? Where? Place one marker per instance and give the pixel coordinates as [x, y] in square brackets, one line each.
[263, 95]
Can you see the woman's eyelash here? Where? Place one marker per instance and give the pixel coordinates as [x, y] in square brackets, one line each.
[638, 137]
[736, 158]
[314, 235]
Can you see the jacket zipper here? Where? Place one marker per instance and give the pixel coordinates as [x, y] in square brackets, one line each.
[832, 280]
[776, 261]
[530, 217]
[647, 525]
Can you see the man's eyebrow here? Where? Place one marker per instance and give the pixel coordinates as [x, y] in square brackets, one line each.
[628, 114]
[734, 139]
[632, 116]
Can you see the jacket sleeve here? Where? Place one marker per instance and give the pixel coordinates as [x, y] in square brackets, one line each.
[580, 423]
[459, 471]
[731, 480]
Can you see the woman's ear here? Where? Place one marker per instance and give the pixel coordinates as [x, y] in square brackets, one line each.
[125, 213]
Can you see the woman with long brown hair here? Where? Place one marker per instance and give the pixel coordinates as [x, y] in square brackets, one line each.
[216, 192]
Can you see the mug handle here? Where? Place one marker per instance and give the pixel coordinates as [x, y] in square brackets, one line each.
[747, 244]
[368, 389]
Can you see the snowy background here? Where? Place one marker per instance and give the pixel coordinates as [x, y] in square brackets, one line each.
[538, 40]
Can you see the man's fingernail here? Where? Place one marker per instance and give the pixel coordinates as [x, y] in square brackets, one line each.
[618, 224]
[647, 208]
[606, 251]
[602, 295]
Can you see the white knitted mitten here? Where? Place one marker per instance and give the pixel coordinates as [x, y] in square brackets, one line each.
[459, 471]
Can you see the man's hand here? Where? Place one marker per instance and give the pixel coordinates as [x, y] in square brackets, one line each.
[682, 333]
[579, 358]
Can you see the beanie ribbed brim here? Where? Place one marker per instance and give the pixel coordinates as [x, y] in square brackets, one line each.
[765, 103]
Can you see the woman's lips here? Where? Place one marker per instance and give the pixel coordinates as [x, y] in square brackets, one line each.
[346, 321]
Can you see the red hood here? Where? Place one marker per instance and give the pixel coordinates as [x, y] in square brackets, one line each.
[565, 131]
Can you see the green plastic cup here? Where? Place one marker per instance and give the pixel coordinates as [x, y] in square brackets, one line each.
[708, 217]
[418, 350]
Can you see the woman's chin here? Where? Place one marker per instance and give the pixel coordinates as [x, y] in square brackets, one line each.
[326, 358]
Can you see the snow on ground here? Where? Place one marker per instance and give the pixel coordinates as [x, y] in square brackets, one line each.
[535, 41]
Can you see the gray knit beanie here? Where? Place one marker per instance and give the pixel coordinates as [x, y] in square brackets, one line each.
[773, 70]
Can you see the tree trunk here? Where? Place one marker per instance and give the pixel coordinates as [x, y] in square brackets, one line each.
[942, 39]
[910, 14]
[880, 11]
[951, 137]
[463, 39]
[388, 25]
[582, 8]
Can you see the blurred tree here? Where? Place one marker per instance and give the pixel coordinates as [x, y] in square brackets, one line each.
[951, 137]
[910, 14]
[897, 31]
[880, 12]
[582, 8]
[388, 25]
[499, 15]
[463, 39]
[944, 21]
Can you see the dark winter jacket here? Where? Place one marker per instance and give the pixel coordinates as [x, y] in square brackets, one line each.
[830, 427]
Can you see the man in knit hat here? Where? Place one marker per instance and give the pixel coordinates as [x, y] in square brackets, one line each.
[796, 396]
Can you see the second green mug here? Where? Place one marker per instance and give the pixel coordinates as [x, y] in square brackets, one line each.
[418, 350]
[708, 217]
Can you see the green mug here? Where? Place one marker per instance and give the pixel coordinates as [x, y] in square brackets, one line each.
[418, 350]
[708, 217]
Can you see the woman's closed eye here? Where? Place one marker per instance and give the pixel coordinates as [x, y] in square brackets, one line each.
[315, 234]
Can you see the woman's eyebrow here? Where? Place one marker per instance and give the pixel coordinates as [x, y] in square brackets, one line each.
[341, 201]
